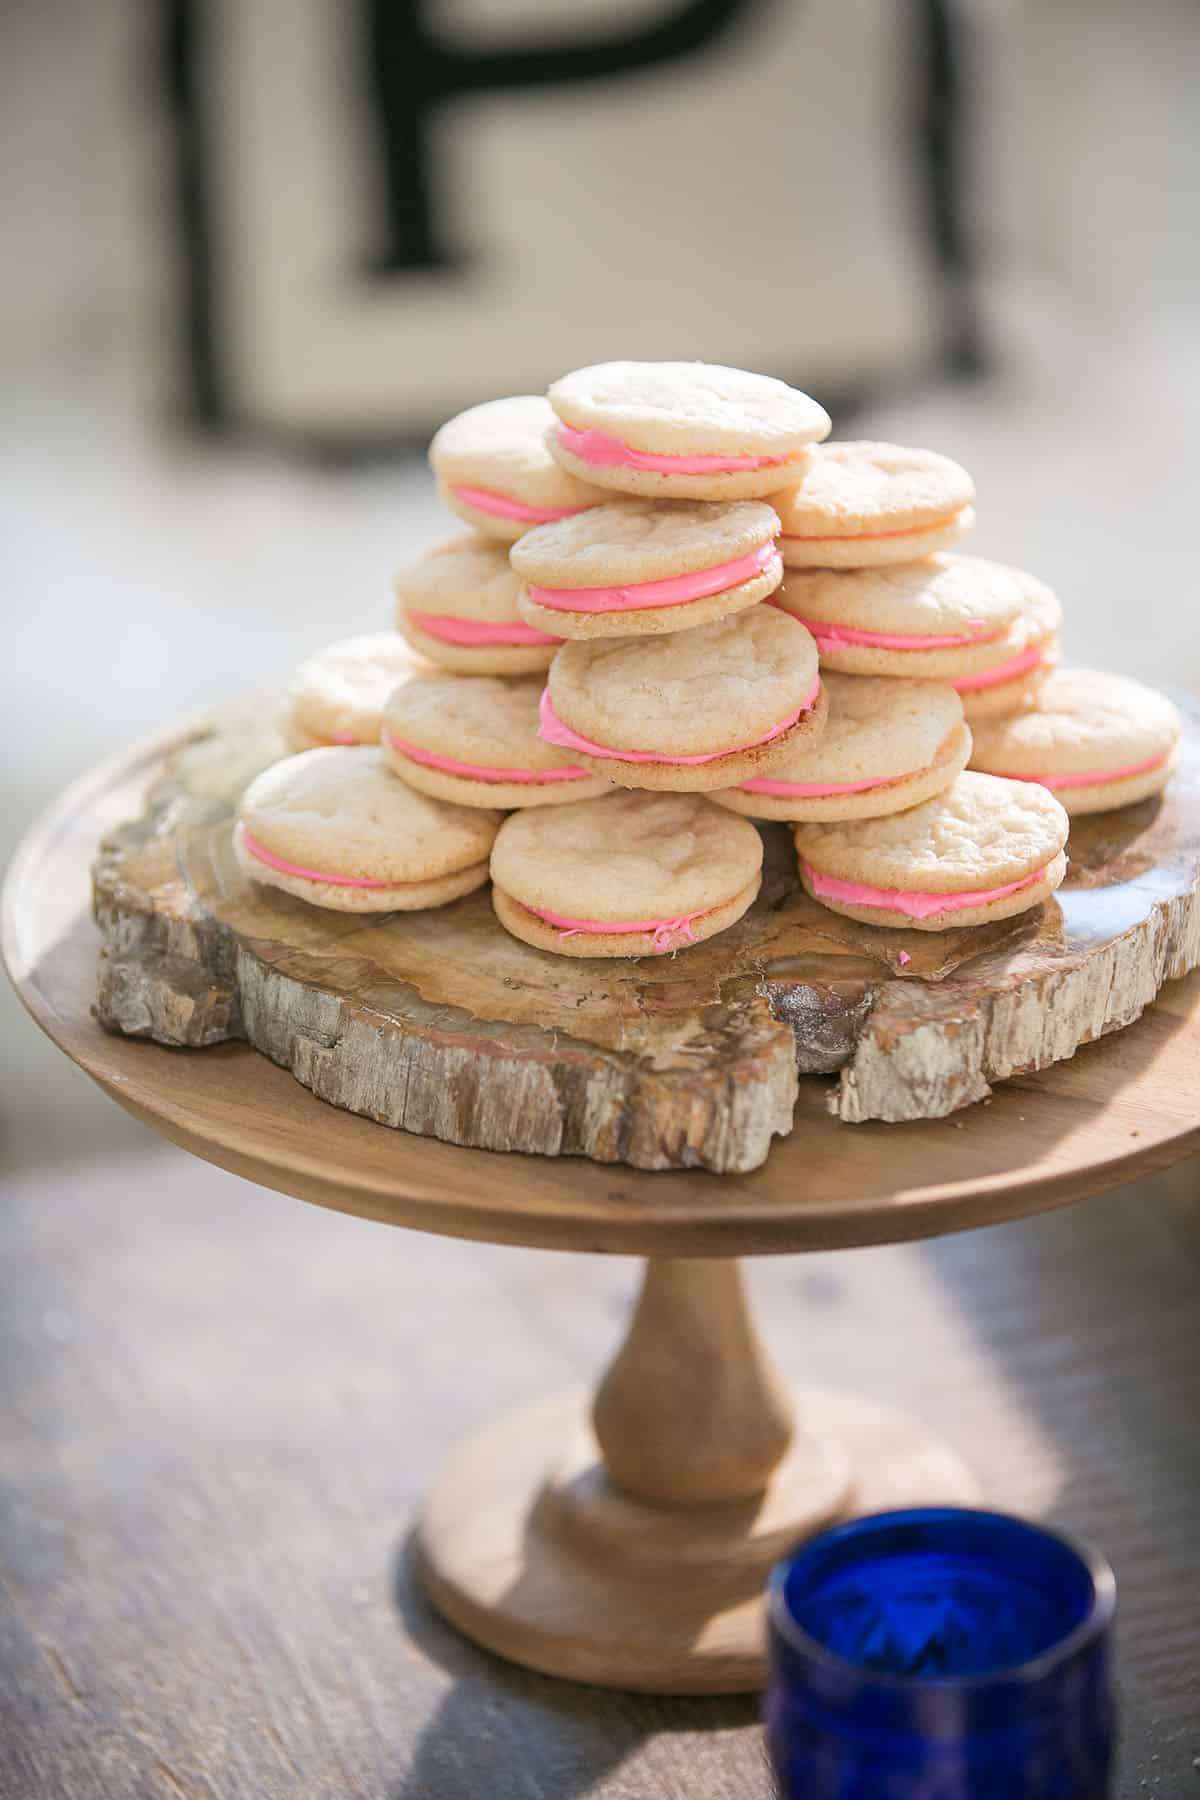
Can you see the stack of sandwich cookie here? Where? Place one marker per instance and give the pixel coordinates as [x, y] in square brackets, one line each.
[671, 585]
[626, 875]
[337, 696]
[458, 607]
[864, 504]
[475, 741]
[1096, 741]
[635, 567]
[982, 850]
[887, 745]
[692, 711]
[494, 469]
[335, 827]
[683, 431]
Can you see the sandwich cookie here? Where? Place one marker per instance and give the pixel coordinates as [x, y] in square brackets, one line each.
[336, 828]
[494, 469]
[458, 607]
[635, 567]
[1096, 741]
[949, 618]
[862, 504]
[338, 695]
[626, 875]
[984, 849]
[694, 710]
[683, 430]
[887, 745]
[476, 741]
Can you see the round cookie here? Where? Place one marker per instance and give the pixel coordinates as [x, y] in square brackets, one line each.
[494, 469]
[683, 430]
[887, 745]
[864, 504]
[984, 849]
[336, 828]
[636, 567]
[1096, 741]
[940, 619]
[625, 875]
[690, 711]
[337, 695]
[476, 742]
[458, 606]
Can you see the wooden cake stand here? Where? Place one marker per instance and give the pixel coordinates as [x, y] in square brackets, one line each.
[625, 1542]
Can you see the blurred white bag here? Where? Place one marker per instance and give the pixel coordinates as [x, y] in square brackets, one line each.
[411, 208]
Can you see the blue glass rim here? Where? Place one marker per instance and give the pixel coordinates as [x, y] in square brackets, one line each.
[1096, 1622]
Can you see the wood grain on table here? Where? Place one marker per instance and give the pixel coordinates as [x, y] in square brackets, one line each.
[221, 1409]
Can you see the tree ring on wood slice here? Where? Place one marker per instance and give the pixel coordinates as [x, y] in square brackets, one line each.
[534, 1553]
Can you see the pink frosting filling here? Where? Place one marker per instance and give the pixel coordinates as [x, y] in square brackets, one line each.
[503, 506]
[479, 771]
[833, 637]
[1094, 780]
[663, 929]
[673, 590]
[552, 729]
[813, 790]
[478, 631]
[914, 905]
[608, 452]
[286, 868]
[1005, 671]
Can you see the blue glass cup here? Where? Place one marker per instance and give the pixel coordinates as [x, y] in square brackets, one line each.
[941, 1654]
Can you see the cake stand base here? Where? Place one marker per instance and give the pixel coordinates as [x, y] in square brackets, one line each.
[529, 1545]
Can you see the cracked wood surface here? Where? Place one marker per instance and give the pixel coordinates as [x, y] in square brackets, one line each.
[442, 1024]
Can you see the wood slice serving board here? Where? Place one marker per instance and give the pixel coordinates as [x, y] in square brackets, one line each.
[440, 1023]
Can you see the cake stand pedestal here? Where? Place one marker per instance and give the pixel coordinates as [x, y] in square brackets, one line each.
[630, 1547]
[626, 1543]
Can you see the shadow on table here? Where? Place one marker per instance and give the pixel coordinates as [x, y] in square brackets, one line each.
[504, 1730]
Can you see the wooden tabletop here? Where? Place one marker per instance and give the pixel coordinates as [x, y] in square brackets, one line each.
[1121, 1107]
[219, 1410]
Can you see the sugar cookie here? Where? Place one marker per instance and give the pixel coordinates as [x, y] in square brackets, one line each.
[637, 567]
[475, 741]
[1096, 741]
[458, 606]
[863, 504]
[692, 710]
[985, 849]
[337, 695]
[887, 745]
[626, 875]
[336, 828]
[683, 430]
[494, 468]
[937, 619]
